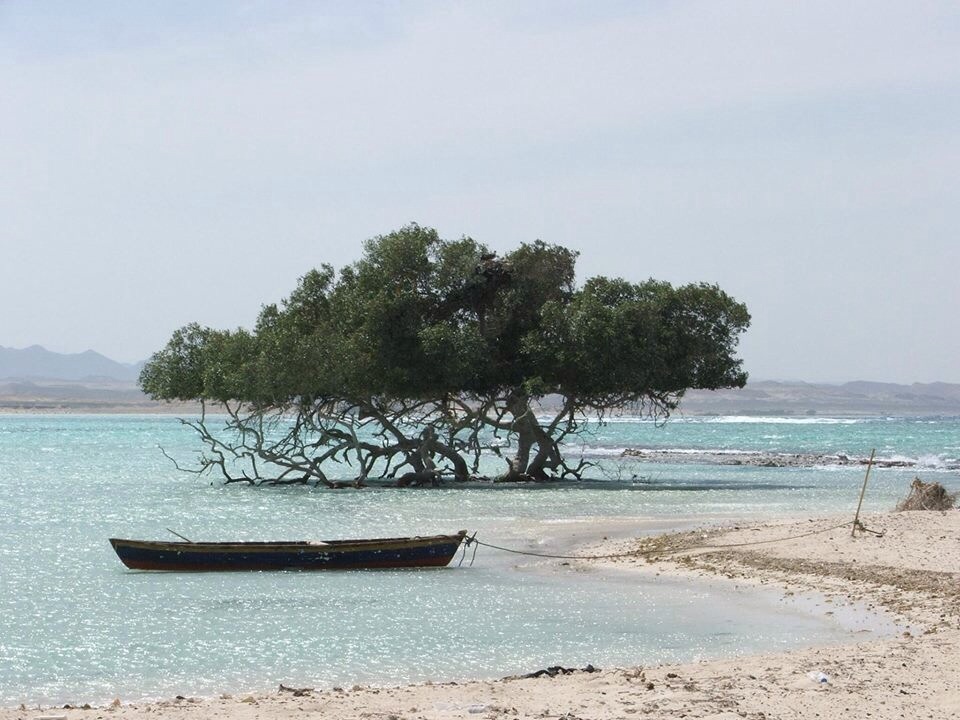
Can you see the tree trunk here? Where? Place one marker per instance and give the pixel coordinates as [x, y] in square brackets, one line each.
[460, 470]
[526, 427]
[547, 457]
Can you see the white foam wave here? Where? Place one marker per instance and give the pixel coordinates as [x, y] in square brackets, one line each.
[619, 420]
[761, 420]
[720, 420]
[932, 462]
[597, 450]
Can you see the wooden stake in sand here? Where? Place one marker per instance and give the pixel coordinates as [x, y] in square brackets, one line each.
[863, 490]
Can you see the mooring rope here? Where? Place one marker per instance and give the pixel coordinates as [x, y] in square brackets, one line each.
[762, 542]
[472, 540]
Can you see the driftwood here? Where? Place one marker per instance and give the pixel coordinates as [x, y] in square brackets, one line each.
[297, 692]
[927, 496]
[554, 671]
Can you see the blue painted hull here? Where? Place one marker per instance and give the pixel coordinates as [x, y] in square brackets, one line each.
[432, 551]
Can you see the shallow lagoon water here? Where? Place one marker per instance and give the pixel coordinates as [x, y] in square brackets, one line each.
[76, 626]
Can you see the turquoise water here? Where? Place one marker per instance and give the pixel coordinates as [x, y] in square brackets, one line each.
[76, 626]
[933, 442]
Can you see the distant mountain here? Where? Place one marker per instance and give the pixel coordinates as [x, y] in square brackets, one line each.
[36, 362]
[36, 379]
[852, 398]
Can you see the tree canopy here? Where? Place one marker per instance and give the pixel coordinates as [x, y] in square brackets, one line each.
[426, 353]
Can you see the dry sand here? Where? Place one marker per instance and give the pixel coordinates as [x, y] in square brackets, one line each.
[913, 572]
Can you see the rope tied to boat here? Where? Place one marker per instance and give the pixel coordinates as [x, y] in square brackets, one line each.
[472, 540]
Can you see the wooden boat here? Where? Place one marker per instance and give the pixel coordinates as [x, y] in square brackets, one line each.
[404, 552]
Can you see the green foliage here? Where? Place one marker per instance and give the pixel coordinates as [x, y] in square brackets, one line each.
[418, 319]
[614, 342]
[177, 371]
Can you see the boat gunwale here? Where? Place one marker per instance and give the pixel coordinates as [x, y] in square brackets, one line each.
[318, 546]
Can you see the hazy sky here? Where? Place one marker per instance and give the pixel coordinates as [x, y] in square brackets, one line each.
[162, 163]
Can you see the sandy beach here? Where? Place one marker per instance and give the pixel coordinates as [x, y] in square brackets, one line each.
[911, 573]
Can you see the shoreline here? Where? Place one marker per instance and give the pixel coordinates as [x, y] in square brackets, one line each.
[912, 572]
